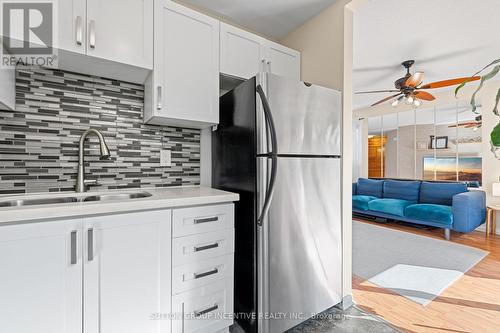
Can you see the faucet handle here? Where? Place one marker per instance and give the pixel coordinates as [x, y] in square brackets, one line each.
[91, 182]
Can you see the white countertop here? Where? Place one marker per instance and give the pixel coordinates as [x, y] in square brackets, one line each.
[161, 199]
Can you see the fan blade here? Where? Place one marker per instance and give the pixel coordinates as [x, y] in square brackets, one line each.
[467, 124]
[447, 83]
[424, 95]
[386, 99]
[376, 91]
[415, 79]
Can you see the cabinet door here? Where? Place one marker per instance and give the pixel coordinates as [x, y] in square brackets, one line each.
[121, 31]
[241, 53]
[72, 25]
[186, 64]
[127, 273]
[41, 277]
[281, 60]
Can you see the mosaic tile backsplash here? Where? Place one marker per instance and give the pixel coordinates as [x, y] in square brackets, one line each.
[39, 141]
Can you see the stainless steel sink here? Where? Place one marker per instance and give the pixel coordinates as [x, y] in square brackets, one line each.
[73, 199]
[117, 196]
[41, 201]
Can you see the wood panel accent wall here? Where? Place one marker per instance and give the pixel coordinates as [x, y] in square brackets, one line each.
[376, 162]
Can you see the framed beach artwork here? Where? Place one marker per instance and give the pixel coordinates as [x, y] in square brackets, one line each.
[447, 168]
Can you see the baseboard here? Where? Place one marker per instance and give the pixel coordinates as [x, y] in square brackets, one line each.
[482, 228]
[346, 303]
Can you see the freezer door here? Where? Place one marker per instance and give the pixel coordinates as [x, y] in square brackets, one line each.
[300, 243]
[307, 117]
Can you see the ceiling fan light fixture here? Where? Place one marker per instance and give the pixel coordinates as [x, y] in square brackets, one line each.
[395, 103]
[410, 100]
[417, 102]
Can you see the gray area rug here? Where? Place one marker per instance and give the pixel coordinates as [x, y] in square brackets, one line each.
[417, 267]
[335, 320]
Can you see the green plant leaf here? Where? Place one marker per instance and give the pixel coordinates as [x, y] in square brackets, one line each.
[495, 109]
[494, 62]
[484, 78]
[495, 136]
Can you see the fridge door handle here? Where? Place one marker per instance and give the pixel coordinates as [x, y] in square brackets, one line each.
[272, 155]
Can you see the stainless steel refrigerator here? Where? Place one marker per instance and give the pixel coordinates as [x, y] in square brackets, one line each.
[278, 145]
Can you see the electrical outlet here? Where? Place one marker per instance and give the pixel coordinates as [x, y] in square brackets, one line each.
[165, 158]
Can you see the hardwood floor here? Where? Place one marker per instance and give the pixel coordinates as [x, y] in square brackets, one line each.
[472, 304]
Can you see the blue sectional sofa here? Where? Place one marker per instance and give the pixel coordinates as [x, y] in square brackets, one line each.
[446, 205]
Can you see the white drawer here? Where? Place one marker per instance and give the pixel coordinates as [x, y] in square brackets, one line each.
[191, 249]
[207, 309]
[196, 220]
[199, 274]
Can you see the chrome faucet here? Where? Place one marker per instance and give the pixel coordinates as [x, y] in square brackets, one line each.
[81, 182]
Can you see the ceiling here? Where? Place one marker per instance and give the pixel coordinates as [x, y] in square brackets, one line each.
[447, 38]
[273, 18]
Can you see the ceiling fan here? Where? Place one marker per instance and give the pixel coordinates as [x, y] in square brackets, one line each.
[409, 88]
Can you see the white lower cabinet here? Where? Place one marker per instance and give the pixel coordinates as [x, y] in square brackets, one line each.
[203, 269]
[204, 310]
[41, 277]
[192, 276]
[120, 273]
[127, 272]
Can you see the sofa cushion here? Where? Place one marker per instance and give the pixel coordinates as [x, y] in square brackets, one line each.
[370, 187]
[360, 202]
[402, 189]
[430, 212]
[440, 193]
[389, 206]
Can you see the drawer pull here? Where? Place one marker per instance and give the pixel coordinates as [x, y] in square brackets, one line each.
[202, 312]
[200, 275]
[206, 247]
[206, 220]
[73, 258]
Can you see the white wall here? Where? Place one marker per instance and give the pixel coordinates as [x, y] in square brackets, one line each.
[491, 165]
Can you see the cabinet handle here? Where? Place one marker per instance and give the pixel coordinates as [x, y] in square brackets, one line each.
[269, 66]
[210, 309]
[206, 247]
[206, 220]
[73, 247]
[200, 275]
[79, 31]
[159, 97]
[92, 34]
[90, 244]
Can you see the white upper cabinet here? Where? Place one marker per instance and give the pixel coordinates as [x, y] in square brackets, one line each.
[127, 272]
[121, 31]
[244, 54]
[115, 30]
[241, 52]
[281, 60]
[185, 85]
[7, 88]
[41, 277]
[72, 26]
